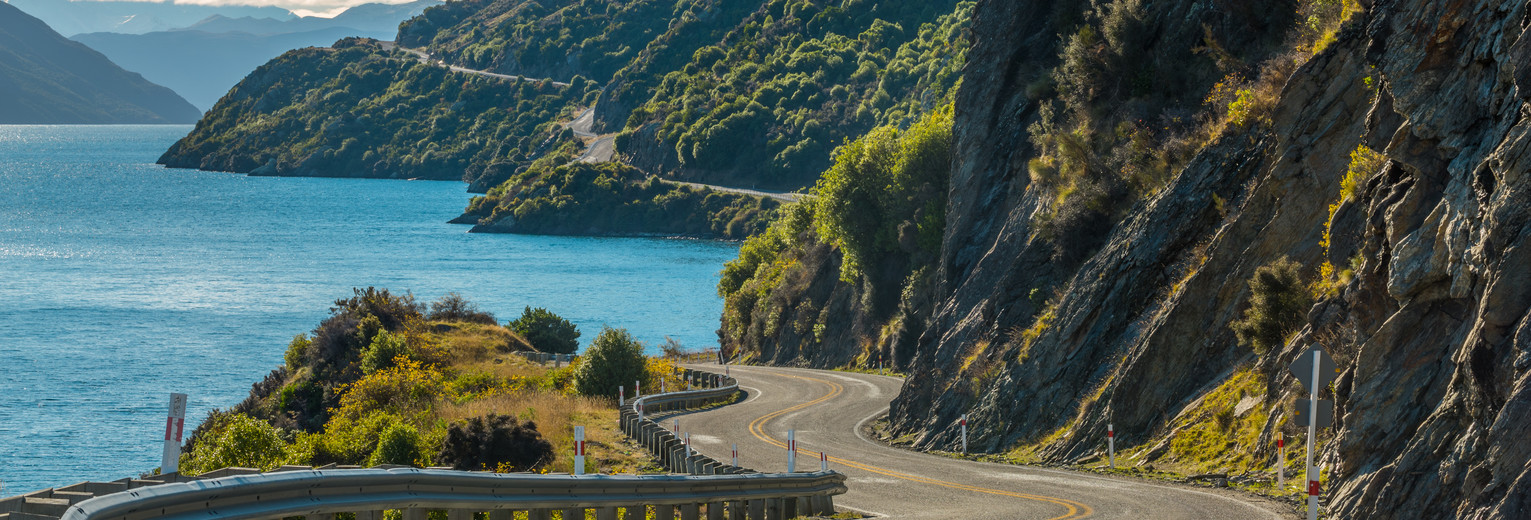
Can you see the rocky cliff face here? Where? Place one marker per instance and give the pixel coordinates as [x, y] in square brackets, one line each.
[1426, 311]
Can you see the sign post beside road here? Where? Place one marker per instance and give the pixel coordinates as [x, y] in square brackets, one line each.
[175, 423]
[1315, 370]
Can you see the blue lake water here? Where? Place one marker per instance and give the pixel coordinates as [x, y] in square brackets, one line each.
[122, 281]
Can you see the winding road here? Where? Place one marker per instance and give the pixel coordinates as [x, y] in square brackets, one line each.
[828, 410]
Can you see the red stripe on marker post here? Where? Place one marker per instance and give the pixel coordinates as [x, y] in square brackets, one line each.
[1313, 488]
[169, 428]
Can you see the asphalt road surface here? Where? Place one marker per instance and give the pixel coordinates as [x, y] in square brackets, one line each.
[827, 409]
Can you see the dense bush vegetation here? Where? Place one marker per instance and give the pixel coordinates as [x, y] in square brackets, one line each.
[877, 218]
[1278, 306]
[453, 307]
[359, 111]
[795, 79]
[494, 442]
[559, 39]
[613, 198]
[379, 382]
[614, 360]
[546, 331]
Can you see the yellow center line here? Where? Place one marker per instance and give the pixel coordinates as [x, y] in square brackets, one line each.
[757, 429]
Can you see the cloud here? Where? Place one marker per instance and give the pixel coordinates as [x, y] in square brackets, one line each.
[321, 8]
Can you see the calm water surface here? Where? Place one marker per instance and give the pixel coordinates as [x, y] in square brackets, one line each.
[121, 281]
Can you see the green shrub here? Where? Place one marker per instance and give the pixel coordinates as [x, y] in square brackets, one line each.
[614, 359]
[239, 441]
[494, 442]
[453, 307]
[399, 444]
[1278, 305]
[385, 348]
[546, 331]
[296, 350]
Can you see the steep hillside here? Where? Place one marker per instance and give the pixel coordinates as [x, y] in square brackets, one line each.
[50, 80]
[358, 110]
[745, 94]
[1151, 216]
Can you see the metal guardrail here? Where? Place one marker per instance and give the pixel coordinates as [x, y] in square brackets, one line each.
[543, 358]
[663, 443]
[367, 492]
[712, 489]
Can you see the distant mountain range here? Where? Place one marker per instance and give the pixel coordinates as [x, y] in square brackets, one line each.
[72, 17]
[48, 79]
[201, 62]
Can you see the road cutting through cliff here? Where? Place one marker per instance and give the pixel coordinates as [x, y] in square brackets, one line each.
[828, 411]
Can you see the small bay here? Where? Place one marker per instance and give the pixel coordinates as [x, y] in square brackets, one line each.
[122, 281]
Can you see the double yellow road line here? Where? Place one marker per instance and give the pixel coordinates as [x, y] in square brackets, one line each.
[757, 428]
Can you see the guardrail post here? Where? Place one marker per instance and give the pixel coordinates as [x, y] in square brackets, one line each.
[791, 451]
[459, 514]
[374, 515]
[689, 512]
[573, 513]
[415, 513]
[175, 422]
[606, 513]
[579, 451]
[736, 510]
[664, 512]
[715, 511]
[774, 507]
[635, 513]
[539, 514]
[498, 514]
[758, 509]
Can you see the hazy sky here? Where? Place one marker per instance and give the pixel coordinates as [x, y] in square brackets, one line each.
[325, 8]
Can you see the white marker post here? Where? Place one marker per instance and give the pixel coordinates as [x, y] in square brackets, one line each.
[964, 434]
[639, 404]
[791, 451]
[687, 442]
[676, 429]
[736, 455]
[621, 396]
[637, 389]
[1280, 464]
[175, 422]
[662, 388]
[1312, 432]
[579, 450]
[1111, 444]
[823, 462]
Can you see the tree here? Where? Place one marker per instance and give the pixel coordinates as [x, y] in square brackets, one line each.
[614, 359]
[385, 348]
[546, 331]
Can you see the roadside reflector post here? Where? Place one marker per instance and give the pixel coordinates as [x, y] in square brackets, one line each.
[639, 404]
[579, 450]
[1111, 444]
[964, 434]
[823, 462]
[662, 388]
[791, 451]
[1280, 464]
[175, 423]
[1314, 369]
[686, 440]
[637, 389]
[621, 396]
[735, 448]
[676, 429]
